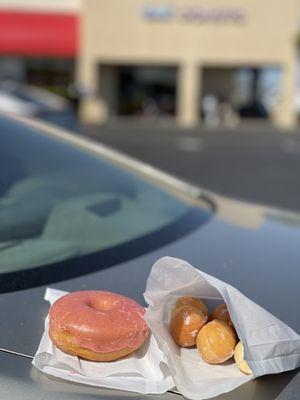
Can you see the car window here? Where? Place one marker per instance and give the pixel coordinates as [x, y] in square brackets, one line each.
[58, 202]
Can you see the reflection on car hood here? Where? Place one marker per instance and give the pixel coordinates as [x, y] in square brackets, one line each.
[260, 259]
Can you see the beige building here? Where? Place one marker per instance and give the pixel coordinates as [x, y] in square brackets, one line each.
[190, 48]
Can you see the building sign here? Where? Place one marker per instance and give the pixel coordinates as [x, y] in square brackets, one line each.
[38, 34]
[192, 14]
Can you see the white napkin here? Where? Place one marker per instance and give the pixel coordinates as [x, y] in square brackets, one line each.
[270, 345]
[144, 372]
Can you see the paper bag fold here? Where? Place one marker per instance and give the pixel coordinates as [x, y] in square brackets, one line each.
[270, 345]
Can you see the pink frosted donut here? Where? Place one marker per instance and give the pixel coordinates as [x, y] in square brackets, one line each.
[97, 325]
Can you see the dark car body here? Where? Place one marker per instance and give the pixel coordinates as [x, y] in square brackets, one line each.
[31, 101]
[254, 248]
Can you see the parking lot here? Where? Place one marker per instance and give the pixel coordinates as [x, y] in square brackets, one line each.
[256, 163]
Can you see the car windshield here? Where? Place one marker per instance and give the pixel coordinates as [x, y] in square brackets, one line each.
[59, 202]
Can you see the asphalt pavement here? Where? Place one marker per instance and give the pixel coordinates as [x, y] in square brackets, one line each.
[257, 164]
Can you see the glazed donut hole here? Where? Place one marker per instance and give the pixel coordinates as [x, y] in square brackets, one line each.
[185, 324]
[186, 315]
[221, 312]
[216, 342]
[216, 338]
[192, 301]
[239, 358]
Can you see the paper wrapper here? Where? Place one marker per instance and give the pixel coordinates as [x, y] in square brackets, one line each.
[270, 345]
[144, 372]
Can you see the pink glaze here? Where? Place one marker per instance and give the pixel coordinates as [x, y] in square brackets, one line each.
[100, 321]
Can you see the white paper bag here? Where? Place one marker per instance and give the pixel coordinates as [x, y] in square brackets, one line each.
[145, 371]
[270, 345]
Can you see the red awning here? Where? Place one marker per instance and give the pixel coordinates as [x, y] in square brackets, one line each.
[38, 34]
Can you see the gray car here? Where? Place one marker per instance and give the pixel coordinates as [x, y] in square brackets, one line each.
[77, 215]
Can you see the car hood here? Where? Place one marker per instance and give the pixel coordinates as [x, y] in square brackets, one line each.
[253, 248]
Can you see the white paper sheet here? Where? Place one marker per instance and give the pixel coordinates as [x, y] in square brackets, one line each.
[270, 345]
[144, 372]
